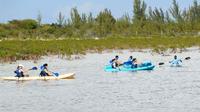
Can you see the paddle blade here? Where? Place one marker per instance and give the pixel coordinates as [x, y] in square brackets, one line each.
[34, 68]
[161, 63]
[187, 58]
[56, 74]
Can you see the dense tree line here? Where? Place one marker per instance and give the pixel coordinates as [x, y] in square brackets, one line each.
[146, 21]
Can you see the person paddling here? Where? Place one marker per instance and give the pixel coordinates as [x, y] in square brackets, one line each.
[20, 71]
[128, 62]
[134, 63]
[44, 70]
[115, 63]
[176, 61]
[130, 58]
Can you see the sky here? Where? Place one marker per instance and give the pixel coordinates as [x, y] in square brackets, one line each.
[49, 9]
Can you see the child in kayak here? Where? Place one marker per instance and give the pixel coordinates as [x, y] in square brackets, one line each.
[176, 61]
[21, 71]
[115, 63]
[44, 70]
[134, 63]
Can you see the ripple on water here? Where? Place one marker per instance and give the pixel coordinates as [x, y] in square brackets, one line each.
[164, 89]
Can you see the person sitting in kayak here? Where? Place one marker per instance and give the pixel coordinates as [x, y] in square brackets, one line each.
[20, 72]
[134, 63]
[115, 63]
[130, 58]
[176, 61]
[44, 70]
[128, 62]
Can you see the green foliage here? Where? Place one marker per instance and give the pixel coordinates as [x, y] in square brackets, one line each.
[123, 26]
[12, 50]
[176, 12]
[76, 18]
[60, 19]
[139, 9]
[24, 24]
[39, 19]
[104, 23]
[154, 22]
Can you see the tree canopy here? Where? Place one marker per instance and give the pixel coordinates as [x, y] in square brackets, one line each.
[146, 21]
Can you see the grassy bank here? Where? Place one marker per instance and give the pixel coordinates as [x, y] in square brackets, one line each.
[11, 50]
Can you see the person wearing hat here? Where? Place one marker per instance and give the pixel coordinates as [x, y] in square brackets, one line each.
[44, 70]
[20, 71]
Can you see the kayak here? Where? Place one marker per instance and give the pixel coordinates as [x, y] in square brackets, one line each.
[176, 65]
[65, 76]
[108, 68]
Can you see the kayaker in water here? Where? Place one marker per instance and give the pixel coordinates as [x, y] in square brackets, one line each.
[115, 63]
[44, 70]
[176, 61]
[21, 71]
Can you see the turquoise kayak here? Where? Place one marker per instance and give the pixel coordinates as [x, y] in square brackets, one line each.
[108, 68]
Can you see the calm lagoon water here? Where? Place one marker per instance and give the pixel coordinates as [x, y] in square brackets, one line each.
[165, 89]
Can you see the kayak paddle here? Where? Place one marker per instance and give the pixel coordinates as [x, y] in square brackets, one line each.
[187, 58]
[55, 74]
[34, 68]
[161, 63]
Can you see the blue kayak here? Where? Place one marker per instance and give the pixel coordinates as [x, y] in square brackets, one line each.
[108, 68]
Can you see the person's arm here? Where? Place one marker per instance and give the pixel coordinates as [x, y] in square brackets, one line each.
[171, 61]
[25, 70]
[48, 72]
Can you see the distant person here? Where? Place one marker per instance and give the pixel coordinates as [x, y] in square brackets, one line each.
[21, 71]
[176, 61]
[44, 70]
[115, 62]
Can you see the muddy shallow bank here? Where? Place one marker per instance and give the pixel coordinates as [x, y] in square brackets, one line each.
[12, 50]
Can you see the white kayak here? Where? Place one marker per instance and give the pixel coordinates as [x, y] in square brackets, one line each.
[65, 76]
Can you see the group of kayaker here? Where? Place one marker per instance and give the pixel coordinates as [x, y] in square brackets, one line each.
[21, 71]
[131, 61]
[115, 63]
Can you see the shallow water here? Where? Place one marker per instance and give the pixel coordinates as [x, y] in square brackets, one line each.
[165, 89]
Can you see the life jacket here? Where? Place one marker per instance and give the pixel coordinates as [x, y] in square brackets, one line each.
[42, 68]
[18, 72]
